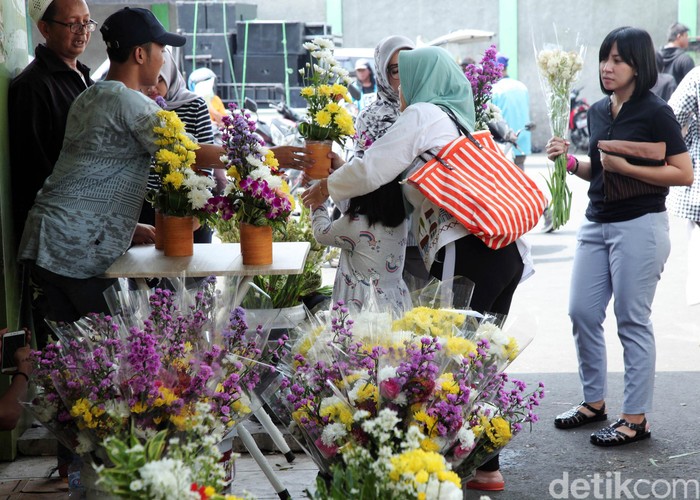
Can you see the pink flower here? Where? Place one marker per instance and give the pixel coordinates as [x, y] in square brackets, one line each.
[326, 451]
[390, 388]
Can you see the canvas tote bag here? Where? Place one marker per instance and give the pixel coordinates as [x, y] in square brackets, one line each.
[473, 180]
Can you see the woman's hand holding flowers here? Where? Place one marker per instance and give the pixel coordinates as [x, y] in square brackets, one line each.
[555, 147]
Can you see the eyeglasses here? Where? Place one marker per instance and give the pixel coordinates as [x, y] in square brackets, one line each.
[78, 28]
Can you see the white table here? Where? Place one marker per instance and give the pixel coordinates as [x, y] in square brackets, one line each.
[211, 259]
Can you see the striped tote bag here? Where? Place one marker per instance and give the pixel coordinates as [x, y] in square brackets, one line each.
[487, 193]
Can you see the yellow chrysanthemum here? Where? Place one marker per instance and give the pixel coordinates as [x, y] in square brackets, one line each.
[166, 397]
[338, 89]
[498, 431]
[170, 159]
[344, 122]
[459, 346]
[366, 392]
[428, 444]
[338, 412]
[427, 421]
[512, 349]
[174, 179]
[307, 92]
[271, 161]
[233, 173]
[139, 407]
[325, 90]
[333, 107]
[323, 118]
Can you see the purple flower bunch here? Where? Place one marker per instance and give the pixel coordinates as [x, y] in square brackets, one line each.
[445, 387]
[239, 138]
[107, 375]
[482, 77]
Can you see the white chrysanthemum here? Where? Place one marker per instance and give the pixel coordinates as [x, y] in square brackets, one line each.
[274, 181]
[254, 161]
[85, 444]
[230, 188]
[310, 46]
[385, 373]
[165, 479]
[136, 485]
[44, 413]
[332, 433]
[466, 437]
[117, 409]
[324, 43]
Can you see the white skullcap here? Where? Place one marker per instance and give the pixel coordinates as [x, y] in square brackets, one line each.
[36, 8]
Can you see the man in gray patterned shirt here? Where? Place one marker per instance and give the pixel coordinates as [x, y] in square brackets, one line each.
[84, 216]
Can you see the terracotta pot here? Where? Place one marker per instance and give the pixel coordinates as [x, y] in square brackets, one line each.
[178, 240]
[256, 244]
[319, 153]
[160, 230]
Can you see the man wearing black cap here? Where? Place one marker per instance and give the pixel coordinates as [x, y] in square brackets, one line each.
[85, 214]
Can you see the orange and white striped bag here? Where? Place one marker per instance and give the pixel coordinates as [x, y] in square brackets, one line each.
[487, 193]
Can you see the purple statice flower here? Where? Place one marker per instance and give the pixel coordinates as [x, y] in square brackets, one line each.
[482, 77]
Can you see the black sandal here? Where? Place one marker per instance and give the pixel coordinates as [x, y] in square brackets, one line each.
[610, 436]
[575, 418]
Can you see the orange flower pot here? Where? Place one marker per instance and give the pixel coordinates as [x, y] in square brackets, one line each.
[160, 230]
[256, 244]
[178, 240]
[319, 153]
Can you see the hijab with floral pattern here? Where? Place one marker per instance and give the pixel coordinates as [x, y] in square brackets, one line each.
[375, 119]
[430, 74]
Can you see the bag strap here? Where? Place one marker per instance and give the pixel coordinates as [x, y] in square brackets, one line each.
[461, 127]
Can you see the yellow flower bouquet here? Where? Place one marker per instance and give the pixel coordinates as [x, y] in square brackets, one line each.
[182, 192]
[325, 91]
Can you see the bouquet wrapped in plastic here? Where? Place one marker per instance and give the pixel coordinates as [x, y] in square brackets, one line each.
[559, 69]
[178, 361]
[438, 370]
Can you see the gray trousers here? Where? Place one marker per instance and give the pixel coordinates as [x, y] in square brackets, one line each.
[624, 259]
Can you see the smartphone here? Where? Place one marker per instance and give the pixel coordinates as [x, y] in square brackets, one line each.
[11, 341]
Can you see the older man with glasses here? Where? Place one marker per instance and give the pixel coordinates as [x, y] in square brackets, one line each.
[38, 102]
[40, 96]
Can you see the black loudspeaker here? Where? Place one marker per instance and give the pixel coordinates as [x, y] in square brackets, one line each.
[211, 16]
[209, 52]
[317, 29]
[269, 68]
[266, 37]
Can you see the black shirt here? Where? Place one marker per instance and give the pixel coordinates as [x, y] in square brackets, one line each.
[646, 119]
[38, 102]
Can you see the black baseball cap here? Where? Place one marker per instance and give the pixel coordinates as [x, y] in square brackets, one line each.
[130, 27]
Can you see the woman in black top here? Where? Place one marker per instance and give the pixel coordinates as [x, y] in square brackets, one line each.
[623, 244]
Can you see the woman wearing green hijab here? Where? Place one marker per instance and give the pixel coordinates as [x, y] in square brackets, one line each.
[431, 84]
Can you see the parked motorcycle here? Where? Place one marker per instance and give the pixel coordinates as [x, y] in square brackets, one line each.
[578, 121]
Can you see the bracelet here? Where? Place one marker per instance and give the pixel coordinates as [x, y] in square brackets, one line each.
[20, 373]
[571, 164]
[320, 187]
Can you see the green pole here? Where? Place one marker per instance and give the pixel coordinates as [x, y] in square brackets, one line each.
[688, 14]
[334, 16]
[508, 33]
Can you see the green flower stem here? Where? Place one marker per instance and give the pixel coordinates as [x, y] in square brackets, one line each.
[560, 204]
